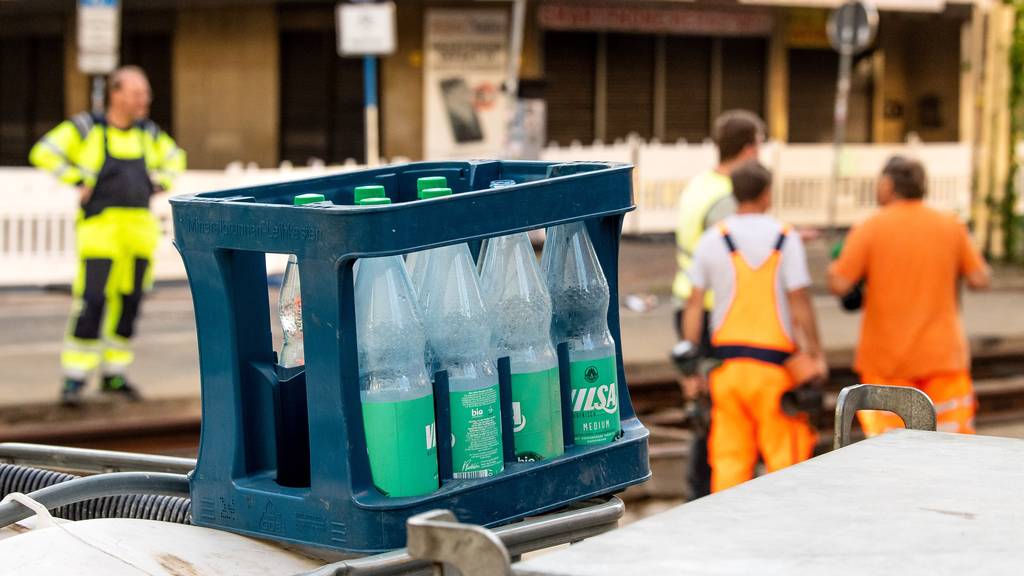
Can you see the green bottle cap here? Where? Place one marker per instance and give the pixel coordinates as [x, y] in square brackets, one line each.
[435, 193]
[375, 201]
[308, 199]
[371, 191]
[430, 182]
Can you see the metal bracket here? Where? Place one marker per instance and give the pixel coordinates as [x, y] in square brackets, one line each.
[910, 404]
[471, 549]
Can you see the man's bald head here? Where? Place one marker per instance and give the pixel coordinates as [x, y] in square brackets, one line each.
[130, 94]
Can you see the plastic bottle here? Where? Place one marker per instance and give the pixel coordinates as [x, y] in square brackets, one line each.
[504, 183]
[579, 301]
[416, 262]
[397, 397]
[419, 262]
[520, 310]
[363, 196]
[289, 302]
[459, 331]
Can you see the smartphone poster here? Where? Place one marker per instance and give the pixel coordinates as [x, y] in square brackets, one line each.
[465, 110]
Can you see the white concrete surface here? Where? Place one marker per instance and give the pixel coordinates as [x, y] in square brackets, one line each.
[912, 503]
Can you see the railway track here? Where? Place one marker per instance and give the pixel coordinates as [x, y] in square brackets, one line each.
[999, 384]
[172, 427]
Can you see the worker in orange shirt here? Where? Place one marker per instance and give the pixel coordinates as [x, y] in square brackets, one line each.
[912, 258]
[757, 268]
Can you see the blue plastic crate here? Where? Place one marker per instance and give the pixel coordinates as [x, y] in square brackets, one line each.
[282, 453]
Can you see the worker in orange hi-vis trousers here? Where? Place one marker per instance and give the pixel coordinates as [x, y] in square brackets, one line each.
[912, 258]
[758, 271]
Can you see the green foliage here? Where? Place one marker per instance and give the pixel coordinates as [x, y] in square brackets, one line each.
[1011, 222]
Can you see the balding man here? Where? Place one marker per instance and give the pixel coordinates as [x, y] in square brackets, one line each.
[116, 160]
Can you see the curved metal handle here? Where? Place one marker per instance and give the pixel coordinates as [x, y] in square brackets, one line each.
[910, 404]
[581, 520]
[438, 537]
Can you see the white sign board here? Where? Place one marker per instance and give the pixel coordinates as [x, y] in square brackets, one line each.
[366, 29]
[466, 112]
[99, 36]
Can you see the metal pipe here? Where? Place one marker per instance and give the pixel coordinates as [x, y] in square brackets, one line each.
[519, 538]
[113, 484]
[89, 460]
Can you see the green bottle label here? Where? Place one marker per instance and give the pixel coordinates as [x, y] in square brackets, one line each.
[537, 415]
[595, 400]
[402, 445]
[476, 433]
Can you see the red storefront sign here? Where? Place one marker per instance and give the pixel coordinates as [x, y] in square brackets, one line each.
[653, 19]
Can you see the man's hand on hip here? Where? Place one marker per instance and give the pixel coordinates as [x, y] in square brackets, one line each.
[84, 194]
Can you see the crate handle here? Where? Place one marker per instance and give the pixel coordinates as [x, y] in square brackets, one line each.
[910, 404]
[438, 537]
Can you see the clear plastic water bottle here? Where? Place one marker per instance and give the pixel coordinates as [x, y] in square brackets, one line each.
[397, 397]
[459, 331]
[520, 310]
[416, 262]
[419, 262]
[579, 301]
[289, 303]
[503, 183]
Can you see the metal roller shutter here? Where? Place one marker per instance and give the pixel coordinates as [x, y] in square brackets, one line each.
[744, 61]
[321, 96]
[687, 94]
[569, 90]
[812, 92]
[630, 85]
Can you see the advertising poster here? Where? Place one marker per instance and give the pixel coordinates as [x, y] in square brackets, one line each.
[465, 110]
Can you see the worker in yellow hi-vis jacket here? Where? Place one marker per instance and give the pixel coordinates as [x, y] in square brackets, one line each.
[116, 160]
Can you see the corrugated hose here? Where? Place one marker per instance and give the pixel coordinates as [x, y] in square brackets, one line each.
[138, 495]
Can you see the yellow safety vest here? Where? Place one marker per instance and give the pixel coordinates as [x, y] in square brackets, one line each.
[701, 194]
[75, 150]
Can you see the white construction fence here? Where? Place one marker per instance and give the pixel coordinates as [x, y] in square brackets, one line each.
[37, 220]
[802, 178]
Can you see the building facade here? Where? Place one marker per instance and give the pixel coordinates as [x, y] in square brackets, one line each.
[261, 82]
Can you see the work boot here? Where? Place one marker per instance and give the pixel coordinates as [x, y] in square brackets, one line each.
[71, 394]
[119, 386]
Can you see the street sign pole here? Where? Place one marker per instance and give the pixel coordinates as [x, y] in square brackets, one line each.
[845, 23]
[366, 28]
[98, 42]
[512, 76]
[370, 110]
[99, 88]
[851, 29]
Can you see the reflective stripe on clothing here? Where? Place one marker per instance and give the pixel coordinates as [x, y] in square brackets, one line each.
[952, 394]
[126, 239]
[79, 358]
[79, 142]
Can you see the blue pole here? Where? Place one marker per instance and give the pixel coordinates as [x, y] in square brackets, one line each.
[370, 109]
[370, 80]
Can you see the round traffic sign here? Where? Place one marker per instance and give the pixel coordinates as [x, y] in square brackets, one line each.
[853, 25]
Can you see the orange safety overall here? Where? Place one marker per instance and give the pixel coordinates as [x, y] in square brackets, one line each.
[747, 389]
[952, 394]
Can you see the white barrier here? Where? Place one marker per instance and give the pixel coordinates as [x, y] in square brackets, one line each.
[37, 219]
[802, 172]
[37, 222]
